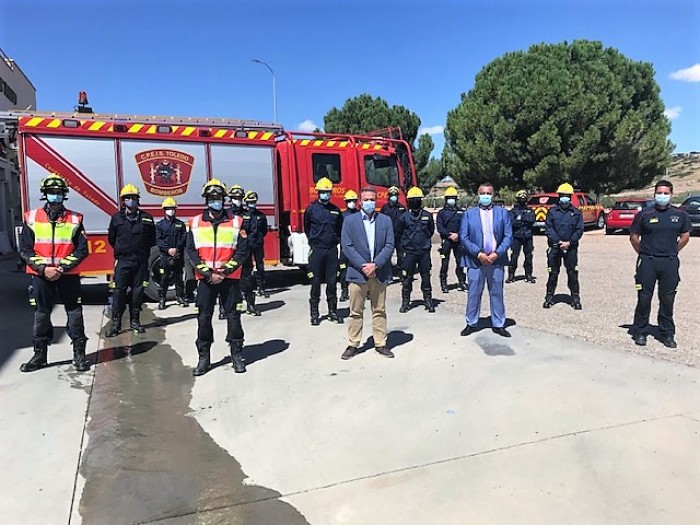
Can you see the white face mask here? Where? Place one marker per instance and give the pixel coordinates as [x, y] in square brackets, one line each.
[170, 213]
[236, 202]
[352, 205]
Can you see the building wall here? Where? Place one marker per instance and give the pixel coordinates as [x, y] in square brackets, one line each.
[16, 90]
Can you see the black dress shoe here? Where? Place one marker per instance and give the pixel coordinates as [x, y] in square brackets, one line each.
[384, 351]
[640, 340]
[468, 330]
[501, 331]
[669, 342]
[349, 353]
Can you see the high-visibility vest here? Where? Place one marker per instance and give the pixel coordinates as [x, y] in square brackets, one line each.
[53, 241]
[216, 247]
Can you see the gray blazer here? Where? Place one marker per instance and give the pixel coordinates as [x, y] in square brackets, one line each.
[353, 243]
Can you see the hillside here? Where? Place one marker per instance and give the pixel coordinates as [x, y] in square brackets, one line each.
[684, 173]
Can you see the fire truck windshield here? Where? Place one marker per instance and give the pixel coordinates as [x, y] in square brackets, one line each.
[381, 170]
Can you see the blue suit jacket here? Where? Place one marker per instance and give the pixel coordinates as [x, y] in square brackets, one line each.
[353, 242]
[470, 234]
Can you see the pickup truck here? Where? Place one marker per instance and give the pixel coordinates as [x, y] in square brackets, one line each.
[593, 213]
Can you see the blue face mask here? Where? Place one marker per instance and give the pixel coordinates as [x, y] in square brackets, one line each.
[54, 198]
[485, 200]
[565, 200]
[216, 205]
[251, 205]
[131, 203]
[394, 198]
[368, 206]
[325, 196]
[662, 199]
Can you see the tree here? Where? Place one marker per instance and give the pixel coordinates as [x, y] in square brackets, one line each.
[575, 112]
[365, 113]
[421, 158]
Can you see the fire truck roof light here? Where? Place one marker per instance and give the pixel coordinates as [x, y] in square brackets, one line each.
[163, 129]
[241, 134]
[120, 128]
[70, 123]
[204, 133]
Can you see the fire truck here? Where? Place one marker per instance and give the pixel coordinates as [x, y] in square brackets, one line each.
[174, 157]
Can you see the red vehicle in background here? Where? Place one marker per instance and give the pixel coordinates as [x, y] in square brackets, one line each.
[623, 212]
[593, 212]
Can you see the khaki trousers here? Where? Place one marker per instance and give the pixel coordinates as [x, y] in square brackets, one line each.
[377, 299]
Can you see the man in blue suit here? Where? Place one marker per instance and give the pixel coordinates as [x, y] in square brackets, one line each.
[486, 234]
[367, 240]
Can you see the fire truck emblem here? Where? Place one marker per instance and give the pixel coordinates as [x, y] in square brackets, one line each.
[165, 172]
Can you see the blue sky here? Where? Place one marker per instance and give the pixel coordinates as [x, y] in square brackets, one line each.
[194, 57]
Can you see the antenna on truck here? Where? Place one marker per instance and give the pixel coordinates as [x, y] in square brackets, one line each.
[82, 106]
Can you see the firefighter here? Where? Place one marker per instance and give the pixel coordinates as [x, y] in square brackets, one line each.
[416, 228]
[131, 234]
[564, 229]
[256, 242]
[323, 223]
[394, 209]
[238, 209]
[171, 236]
[350, 199]
[523, 220]
[52, 245]
[449, 220]
[217, 248]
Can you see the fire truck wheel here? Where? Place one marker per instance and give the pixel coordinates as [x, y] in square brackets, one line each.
[154, 275]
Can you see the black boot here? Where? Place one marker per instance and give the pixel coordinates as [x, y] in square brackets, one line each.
[161, 302]
[511, 275]
[315, 317]
[222, 314]
[135, 324]
[115, 328]
[251, 309]
[181, 299]
[204, 364]
[576, 302]
[443, 285]
[333, 312]
[429, 305]
[262, 292]
[548, 301]
[237, 356]
[38, 360]
[462, 284]
[405, 302]
[80, 362]
[344, 288]
[529, 278]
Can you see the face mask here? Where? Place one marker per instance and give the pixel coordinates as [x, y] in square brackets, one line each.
[325, 196]
[394, 198]
[216, 205]
[170, 213]
[662, 199]
[54, 198]
[415, 204]
[368, 206]
[521, 201]
[131, 203]
[352, 205]
[251, 205]
[236, 202]
[485, 200]
[451, 202]
[565, 201]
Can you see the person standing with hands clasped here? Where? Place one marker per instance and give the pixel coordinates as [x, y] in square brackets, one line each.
[657, 234]
[171, 236]
[367, 240]
[486, 234]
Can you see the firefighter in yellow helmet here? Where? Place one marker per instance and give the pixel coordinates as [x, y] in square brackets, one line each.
[415, 229]
[53, 244]
[350, 199]
[449, 219]
[564, 229]
[323, 223]
[256, 240]
[394, 209]
[132, 234]
[523, 220]
[217, 247]
[171, 236]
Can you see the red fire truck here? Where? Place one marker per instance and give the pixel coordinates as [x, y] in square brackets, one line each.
[174, 157]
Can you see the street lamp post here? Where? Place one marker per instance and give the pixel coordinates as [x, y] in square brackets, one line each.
[274, 88]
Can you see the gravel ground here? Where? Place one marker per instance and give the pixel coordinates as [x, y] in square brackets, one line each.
[606, 272]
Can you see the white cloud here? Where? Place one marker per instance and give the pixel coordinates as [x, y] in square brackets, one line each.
[673, 113]
[307, 125]
[432, 130]
[689, 74]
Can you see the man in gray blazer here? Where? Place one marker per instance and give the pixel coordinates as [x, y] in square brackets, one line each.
[367, 240]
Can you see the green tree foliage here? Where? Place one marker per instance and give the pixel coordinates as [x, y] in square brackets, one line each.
[565, 112]
[421, 159]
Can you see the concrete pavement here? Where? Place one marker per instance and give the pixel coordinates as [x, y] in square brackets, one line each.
[532, 429]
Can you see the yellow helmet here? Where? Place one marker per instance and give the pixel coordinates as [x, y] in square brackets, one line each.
[393, 191]
[324, 184]
[415, 193]
[129, 189]
[521, 194]
[251, 196]
[566, 189]
[236, 191]
[169, 202]
[350, 195]
[53, 181]
[451, 192]
[214, 186]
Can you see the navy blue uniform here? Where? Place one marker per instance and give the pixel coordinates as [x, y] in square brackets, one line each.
[343, 262]
[323, 223]
[416, 229]
[259, 226]
[394, 211]
[132, 238]
[563, 224]
[523, 220]
[448, 221]
[658, 262]
[171, 233]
